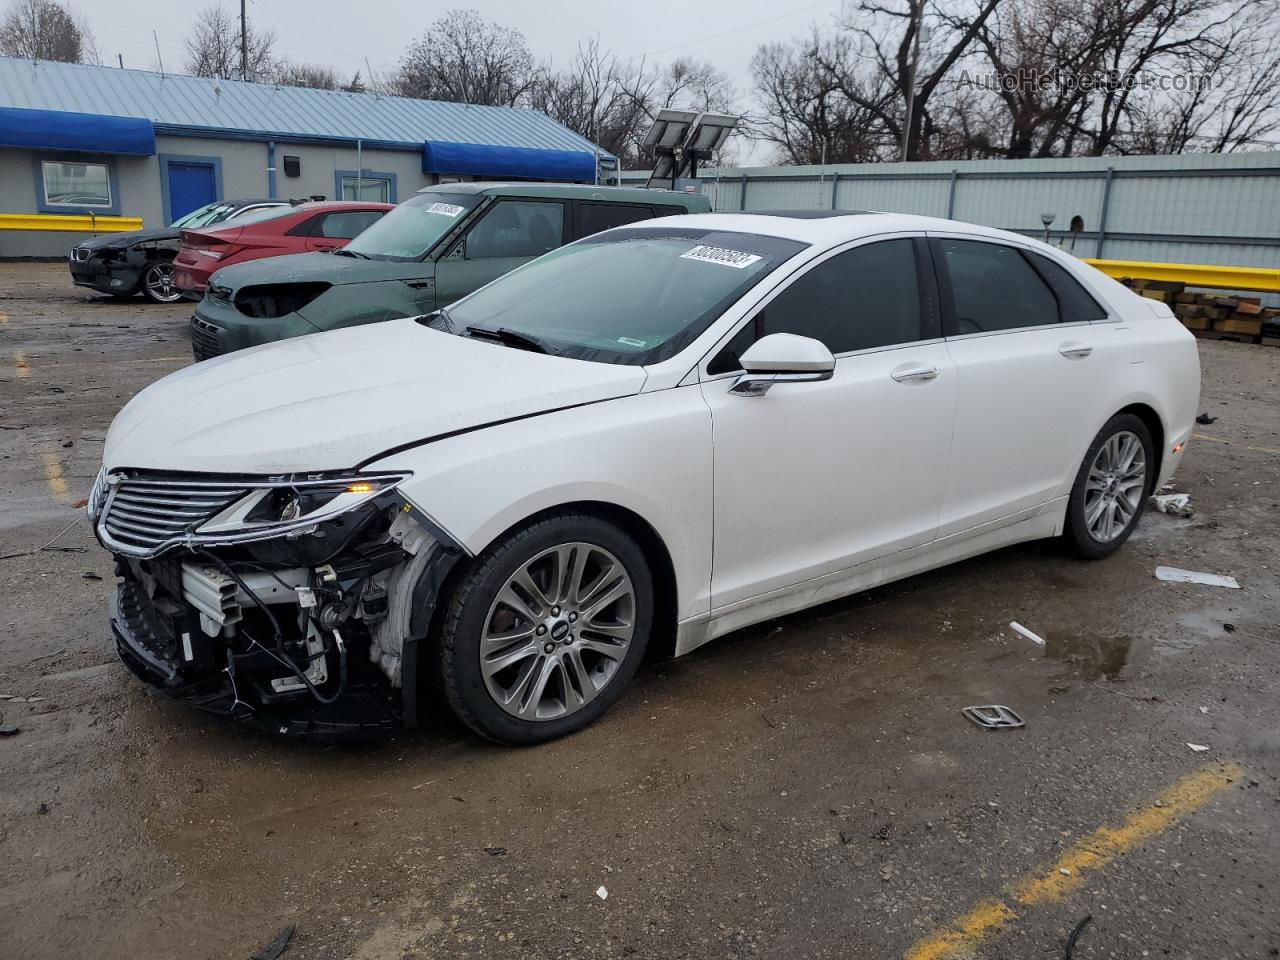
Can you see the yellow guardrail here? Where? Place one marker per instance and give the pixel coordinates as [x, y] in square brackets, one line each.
[69, 222]
[1264, 279]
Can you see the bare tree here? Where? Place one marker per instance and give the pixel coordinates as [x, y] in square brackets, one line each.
[612, 102]
[213, 47]
[315, 76]
[466, 59]
[806, 113]
[45, 30]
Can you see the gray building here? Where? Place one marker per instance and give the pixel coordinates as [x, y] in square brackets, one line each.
[81, 139]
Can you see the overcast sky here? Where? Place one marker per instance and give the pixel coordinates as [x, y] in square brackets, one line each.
[342, 33]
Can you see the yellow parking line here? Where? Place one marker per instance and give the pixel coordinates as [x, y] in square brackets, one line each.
[20, 363]
[962, 935]
[4, 318]
[53, 473]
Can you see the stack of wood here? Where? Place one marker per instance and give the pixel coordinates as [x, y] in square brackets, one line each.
[1243, 317]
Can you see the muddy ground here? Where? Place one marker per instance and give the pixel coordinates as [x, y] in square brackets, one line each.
[806, 788]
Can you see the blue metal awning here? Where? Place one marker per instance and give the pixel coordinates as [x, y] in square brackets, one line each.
[89, 132]
[488, 160]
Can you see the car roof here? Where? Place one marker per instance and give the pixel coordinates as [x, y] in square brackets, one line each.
[250, 201]
[573, 191]
[320, 206]
[829, 227]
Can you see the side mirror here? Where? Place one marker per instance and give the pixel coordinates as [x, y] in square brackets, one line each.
[783, 358]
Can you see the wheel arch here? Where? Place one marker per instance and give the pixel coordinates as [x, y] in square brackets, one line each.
[1155, 426]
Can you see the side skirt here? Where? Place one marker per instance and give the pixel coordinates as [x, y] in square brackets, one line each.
[693, 633]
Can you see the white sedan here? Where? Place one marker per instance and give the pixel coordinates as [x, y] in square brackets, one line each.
[639, 442]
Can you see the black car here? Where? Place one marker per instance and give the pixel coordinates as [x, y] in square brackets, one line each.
[124, 264]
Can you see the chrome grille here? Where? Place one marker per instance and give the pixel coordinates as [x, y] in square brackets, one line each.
[145, 514]
[205, 342]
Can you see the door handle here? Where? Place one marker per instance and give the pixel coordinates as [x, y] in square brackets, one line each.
[914, 371]
[1075, 350]
[420, 284]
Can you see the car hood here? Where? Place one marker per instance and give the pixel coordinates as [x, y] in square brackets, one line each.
[310, 267]
[128, 239]
[330, 401]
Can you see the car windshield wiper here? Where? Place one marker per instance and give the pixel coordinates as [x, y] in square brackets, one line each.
[343, 252]
[429, 320]
[511, 338]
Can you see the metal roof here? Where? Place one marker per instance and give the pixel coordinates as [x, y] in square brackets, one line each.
[198, 105]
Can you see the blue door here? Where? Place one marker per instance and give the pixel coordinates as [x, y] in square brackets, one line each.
[191, 185]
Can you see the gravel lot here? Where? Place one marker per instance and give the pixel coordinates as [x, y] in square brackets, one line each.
[805, 788]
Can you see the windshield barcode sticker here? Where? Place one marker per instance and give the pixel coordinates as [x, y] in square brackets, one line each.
[448, 209]
[726, 258]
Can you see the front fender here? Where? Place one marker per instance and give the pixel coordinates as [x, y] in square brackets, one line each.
[649, 454]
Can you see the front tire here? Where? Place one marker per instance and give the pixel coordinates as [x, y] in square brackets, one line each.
[1111, 487]
[546, 629]
[158, 283]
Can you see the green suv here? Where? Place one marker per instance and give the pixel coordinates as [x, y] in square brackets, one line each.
[431, 250]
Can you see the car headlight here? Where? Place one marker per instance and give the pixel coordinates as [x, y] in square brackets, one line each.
[297, 503]
[97, 495]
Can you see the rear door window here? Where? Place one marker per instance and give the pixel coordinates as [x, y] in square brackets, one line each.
[1075, 302]
[347, 223]
[594, 217]
[517, 228]
[993, 288]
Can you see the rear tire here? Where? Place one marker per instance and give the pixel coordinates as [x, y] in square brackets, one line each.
[546, 629]
[1111, 488]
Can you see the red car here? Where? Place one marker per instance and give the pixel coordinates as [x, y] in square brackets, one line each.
[303, 228]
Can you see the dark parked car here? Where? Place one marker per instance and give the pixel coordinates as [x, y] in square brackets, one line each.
[125, 264]
[438, 246]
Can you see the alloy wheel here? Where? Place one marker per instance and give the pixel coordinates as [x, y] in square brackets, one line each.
[1115, 486]
[160, 283]
[558, 631]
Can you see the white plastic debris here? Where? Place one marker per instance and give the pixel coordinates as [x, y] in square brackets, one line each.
[603, 893]
[1019, 628]
[1175, 575]
[1174, 504]
[1197, 747]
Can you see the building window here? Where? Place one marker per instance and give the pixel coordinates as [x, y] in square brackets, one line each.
[371, 189]
[76, 184]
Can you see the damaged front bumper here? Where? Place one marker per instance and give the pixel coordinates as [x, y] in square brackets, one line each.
[314, 631]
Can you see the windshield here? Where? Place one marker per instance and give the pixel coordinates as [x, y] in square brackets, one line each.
[414, 227]
[202, 216]
[630, 296]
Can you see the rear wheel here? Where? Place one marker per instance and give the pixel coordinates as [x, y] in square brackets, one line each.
[546, 630]
[159, 284]
[1111, 487]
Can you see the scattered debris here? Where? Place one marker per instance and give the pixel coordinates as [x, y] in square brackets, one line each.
[767, 722]
[887, 872]
[1204, 709]
[993, 716]
[50, 544]
[276, 947]
[1229, 627]
[496, 851]
[1064, 871]
[90, 575]
[1197, 747]
[427, 784]
[846, 837]
[1174, 504]
[68, 443]
[1034, 638]
[43, 808]
[602, 892]
[13, 699]
[1175, 575]
[1075, 935]
[9, 730]
[1204, 419]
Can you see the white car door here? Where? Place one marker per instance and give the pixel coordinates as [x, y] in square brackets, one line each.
[1033, 376]
[812, 478]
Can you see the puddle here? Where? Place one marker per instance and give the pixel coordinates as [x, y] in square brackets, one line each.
[1100, 657]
